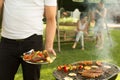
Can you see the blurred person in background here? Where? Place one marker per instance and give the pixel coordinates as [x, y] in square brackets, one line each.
[100, 14]
[91, 21]
[82, 26]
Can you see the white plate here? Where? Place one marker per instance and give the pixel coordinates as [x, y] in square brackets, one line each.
[52, 58]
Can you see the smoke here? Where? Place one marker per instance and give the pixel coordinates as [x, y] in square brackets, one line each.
[105, 53]
[113, 10]
[113, 14]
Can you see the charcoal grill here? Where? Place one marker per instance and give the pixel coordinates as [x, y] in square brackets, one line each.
[109, 74]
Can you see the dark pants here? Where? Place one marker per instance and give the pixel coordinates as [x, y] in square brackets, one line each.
[10, 57]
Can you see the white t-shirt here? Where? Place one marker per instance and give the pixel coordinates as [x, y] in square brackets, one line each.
[23, 18]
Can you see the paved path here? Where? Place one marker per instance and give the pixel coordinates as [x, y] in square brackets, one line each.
[116, 26]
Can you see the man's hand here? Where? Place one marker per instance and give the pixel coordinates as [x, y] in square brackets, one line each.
[51, 51]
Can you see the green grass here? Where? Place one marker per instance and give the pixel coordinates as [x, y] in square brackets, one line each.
[68, 55]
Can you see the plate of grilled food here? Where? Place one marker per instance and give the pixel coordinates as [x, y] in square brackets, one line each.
[38, 57]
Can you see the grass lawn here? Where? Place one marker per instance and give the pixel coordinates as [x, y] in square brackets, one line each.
[68, 55]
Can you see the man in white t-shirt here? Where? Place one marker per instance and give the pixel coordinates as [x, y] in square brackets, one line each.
[22, 30]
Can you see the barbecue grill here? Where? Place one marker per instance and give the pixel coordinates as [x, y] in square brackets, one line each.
[110, 71]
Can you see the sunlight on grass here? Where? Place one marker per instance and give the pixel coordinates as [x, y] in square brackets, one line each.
[118, 77]
[47, 74]
[18, 76]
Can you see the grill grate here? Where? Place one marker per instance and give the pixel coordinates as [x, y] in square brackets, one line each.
[108, 74]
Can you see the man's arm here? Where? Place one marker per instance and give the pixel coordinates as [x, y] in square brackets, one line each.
[1, 11]
[1, 5]
[50, 14]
